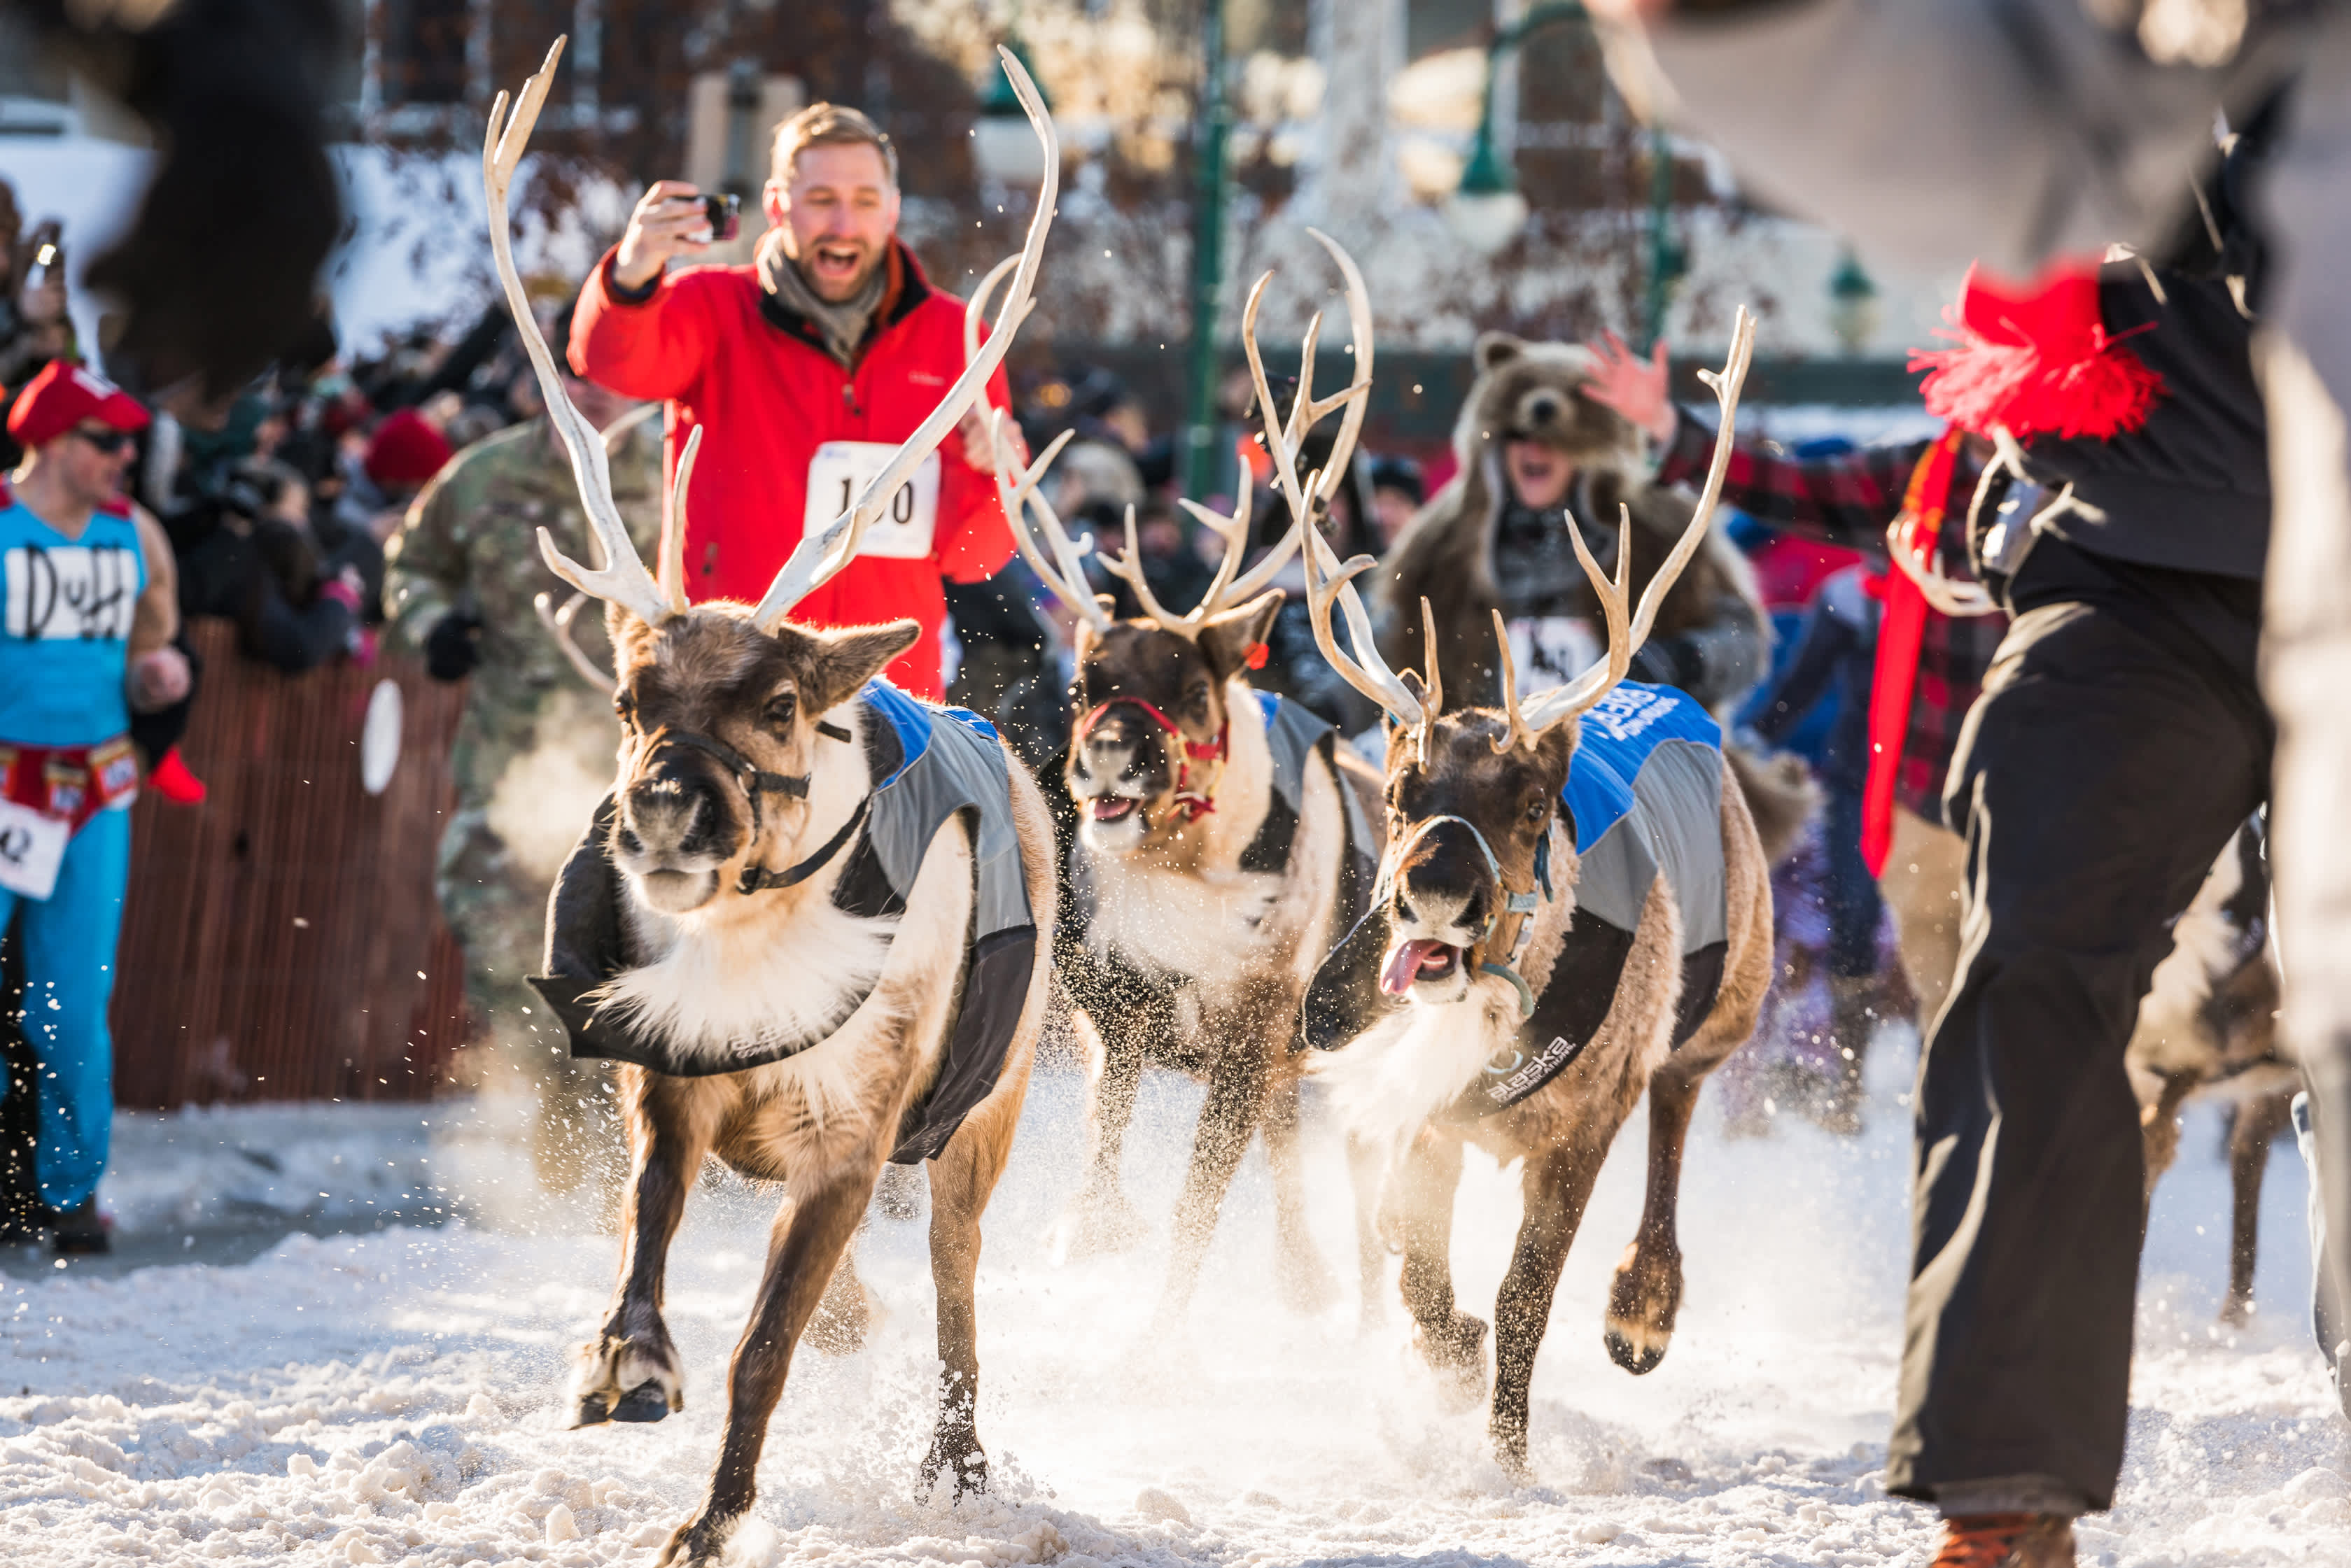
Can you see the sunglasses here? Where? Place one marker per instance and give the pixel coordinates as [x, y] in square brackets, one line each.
[110, 442]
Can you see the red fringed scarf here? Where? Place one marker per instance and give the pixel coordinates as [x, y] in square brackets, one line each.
[1900, 631]
[2036, 360]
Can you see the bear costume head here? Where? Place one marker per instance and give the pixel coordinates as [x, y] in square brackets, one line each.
[1533, 391]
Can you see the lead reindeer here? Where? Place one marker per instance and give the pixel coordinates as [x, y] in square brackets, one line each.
[1578, 910]
[1223, 842]
[810, 918]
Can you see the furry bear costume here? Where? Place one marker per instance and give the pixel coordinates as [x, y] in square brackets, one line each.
[1709, 638]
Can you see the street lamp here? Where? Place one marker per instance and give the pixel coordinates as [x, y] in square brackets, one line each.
[1002, 143]
[1853, 304]
[1485, 211]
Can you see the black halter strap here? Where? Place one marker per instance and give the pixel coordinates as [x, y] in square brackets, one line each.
[758, 878]
[756, 781]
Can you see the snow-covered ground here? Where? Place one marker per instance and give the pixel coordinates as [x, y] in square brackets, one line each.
[393, 1394]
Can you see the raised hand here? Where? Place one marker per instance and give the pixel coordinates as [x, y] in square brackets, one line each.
[1634, 387]
[668, 221]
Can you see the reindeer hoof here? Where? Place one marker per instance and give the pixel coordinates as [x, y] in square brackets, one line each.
[700, 1539]
[1635, 1354]
[645, 1402]
[961, 1457]
[592, 1412]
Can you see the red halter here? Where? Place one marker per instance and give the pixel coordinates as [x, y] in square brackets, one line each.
[1190, 801]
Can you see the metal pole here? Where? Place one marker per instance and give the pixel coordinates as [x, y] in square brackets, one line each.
[1664, 264]
[1207, 258]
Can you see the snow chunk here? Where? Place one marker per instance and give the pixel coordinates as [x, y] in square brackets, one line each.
[1161, 1507]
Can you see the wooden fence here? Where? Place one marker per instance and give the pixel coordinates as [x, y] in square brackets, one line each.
[281, 941]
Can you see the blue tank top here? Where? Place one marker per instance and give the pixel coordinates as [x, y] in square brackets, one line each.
[65, 627]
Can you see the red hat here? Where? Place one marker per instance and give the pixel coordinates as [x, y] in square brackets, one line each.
[2037, 360]
[406, 450]
[62, 396]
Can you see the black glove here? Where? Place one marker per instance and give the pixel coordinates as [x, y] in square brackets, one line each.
[454, 647]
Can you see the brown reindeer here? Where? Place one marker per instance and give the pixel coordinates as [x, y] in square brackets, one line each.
[813, 917]
[1223, 842]
[2207, 1030]
[1546, 986]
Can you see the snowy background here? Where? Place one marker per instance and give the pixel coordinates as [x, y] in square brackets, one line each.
[391, 1391]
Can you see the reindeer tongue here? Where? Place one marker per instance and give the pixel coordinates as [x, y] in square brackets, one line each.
[1406, 963]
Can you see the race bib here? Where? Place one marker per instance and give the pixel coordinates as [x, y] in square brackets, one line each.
[32, 848]
[1551, 650]
[842, 469]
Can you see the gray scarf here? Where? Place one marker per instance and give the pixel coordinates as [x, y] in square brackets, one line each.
[843, 325]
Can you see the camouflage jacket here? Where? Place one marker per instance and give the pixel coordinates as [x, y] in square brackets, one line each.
[470, 542]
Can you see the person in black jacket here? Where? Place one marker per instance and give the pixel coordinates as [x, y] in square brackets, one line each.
[2120, 741]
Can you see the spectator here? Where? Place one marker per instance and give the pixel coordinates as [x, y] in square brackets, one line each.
[1397, 492]
[34, 325]
[460, 578]
[1836, 660]
[400, 457]
[74, 665]
[832, 335]
[248, 554]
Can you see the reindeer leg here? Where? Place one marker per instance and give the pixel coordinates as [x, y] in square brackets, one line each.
[1556, 1187]
[1366, 1166]
[1647, 1291]
[811, 1232]
[1451, 1341]
[2258, 1121]
[962, 1178]
[631, 1371]
[1237, 1094]
[1303, 1278]
[2159, 1137]
[844, 1309]
[1102, 1219]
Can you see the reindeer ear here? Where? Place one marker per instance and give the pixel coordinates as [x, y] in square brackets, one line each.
[1234, 640]
[624, 629]
[845, 660]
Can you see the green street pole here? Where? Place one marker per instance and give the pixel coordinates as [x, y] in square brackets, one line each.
[1666, 260]
[1207, 260]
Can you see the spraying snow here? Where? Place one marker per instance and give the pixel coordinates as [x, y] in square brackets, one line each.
[396, 1396]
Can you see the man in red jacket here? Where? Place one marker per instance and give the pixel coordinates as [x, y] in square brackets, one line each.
[803, 369]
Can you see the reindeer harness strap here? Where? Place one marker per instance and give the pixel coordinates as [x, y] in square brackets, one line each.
[1192, 802]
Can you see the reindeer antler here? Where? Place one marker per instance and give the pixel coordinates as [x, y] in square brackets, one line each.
[1547, 708]
[825, 552]
[1328, 583]
[1305, 412]
[1063, 575]
[622, 579]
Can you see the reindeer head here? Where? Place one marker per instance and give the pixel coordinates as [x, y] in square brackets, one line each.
[1472, 796]
[1149, 707]
[720, 732]
[1148, 730]
[721, 705]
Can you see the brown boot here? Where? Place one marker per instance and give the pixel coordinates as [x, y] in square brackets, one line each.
[2007, 1541]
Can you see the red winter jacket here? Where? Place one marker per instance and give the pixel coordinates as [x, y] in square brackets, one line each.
[728, 356]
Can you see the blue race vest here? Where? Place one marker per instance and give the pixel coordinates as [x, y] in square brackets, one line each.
[65, 627]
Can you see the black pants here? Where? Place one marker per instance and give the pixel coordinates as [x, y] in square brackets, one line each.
[2120, 740]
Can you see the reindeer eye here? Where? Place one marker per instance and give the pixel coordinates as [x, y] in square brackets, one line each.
[626, 707]
[1537, 809]
[781, 708]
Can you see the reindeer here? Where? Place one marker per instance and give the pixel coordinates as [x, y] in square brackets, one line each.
[807, 974]
[1551, 963]
[1224, 840]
